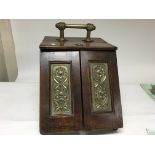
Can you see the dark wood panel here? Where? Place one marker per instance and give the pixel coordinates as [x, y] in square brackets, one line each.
[52, 124]
[79, 54]
[101, 120]
[71, 43]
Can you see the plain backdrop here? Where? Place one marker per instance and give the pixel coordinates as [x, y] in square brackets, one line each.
[135, 40]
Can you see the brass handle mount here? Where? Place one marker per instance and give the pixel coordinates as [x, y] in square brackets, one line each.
[88, 27]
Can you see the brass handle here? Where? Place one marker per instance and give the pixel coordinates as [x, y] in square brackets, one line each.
[62, 26]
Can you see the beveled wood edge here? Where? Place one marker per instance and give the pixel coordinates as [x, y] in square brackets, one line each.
[43, 47]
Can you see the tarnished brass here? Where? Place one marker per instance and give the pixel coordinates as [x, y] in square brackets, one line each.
[62, 26]
[153, 89]
[101, 98]
[60, 90]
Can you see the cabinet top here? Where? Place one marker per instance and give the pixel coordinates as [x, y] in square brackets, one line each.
[71, 43]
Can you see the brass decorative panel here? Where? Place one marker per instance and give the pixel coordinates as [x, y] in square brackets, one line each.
[101, 98]
[60, 90]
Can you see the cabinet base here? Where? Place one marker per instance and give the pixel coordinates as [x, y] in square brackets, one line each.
[83, 132]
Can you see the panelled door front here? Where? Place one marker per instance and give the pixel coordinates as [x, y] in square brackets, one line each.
[100, 90]
[60, 89]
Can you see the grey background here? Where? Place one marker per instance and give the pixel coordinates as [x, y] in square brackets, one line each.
[135, 40]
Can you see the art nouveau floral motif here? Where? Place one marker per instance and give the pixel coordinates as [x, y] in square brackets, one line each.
[100, 87]
[61, 91]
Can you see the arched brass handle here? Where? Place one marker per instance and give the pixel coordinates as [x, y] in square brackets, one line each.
[62, 26]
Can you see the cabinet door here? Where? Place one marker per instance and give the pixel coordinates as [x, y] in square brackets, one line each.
[60, 92]
[100, 89]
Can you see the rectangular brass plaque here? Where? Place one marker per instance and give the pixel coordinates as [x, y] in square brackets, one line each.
[101, 98]
[60, 103]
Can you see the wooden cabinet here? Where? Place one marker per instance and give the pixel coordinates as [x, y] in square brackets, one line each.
[79, 86]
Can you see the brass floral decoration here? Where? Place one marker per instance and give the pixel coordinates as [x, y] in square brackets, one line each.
[61, 91]
[101, 98]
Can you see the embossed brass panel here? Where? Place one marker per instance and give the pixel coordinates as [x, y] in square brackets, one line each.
[60, 103]
[101, 98]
